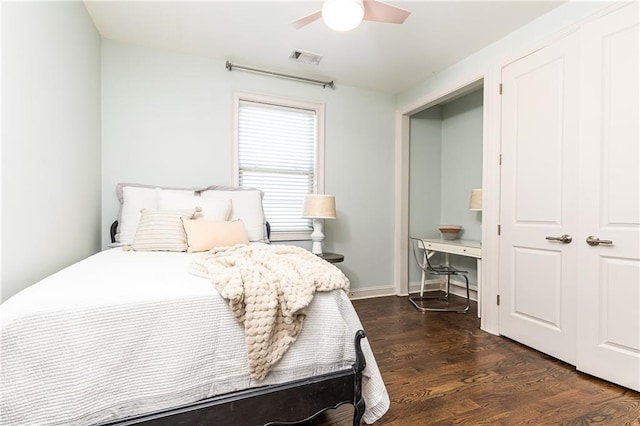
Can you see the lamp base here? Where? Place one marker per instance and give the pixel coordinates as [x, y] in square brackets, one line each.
[317, 236]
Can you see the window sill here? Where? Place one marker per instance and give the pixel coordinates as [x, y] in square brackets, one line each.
[290, 236]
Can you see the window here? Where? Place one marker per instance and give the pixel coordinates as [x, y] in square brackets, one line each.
[279, 149]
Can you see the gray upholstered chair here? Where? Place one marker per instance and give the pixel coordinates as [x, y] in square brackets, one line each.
[422, 256]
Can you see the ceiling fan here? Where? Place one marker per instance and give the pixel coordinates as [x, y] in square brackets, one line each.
[345, 15]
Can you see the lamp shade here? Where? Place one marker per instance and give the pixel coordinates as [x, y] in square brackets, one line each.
[475, 202]
[319, 206]
[342, 15]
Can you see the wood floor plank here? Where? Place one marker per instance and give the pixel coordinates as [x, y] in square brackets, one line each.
[441, 369]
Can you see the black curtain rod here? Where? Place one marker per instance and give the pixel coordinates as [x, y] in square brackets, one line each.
[231, 67]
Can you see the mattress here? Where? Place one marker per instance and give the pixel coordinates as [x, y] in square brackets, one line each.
[123, 333]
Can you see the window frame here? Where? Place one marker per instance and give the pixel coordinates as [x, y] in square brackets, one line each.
[318, 184]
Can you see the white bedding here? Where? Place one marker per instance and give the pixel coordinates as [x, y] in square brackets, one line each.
[124, 333]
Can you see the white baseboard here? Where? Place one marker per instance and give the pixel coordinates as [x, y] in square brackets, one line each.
[369, 292]
[457, 288]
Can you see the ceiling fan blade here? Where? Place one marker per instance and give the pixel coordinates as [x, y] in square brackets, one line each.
[384, 12]
[305, 20]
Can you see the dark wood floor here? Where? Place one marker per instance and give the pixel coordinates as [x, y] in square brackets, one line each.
[440, 368]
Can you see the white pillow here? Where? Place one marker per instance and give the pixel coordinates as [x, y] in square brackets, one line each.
[246, 204]
[134, 199]
[217, 209]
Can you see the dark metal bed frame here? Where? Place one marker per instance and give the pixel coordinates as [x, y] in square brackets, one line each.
[281, 404]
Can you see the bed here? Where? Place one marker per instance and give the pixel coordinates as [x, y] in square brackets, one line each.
[130, 337]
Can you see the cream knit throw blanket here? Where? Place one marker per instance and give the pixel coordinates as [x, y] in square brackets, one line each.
[268, 288]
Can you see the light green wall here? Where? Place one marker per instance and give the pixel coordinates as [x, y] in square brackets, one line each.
[174, 128]
[167, 120]
[426, 167]
[517, 42]
[462, 162]
[462, 170]
[445, 164]
[425, 170]
[50, 140]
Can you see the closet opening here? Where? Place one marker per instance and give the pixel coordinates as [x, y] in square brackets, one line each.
[445, 165]
[441, 155]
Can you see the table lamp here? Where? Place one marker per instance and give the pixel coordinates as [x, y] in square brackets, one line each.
[475, 202]
[318, 207]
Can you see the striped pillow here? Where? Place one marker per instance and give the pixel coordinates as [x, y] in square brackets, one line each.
[162, 230]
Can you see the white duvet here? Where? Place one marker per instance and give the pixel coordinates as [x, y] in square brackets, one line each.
[124, 333]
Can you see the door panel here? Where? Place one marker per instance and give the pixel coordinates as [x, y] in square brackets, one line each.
[535, 295]
[609, 276]
[539, 200]
[619, 327]
[538, 98]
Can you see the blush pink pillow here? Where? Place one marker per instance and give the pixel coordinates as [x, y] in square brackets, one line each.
[203, 235]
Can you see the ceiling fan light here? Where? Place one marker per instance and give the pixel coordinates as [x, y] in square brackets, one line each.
[342, 15]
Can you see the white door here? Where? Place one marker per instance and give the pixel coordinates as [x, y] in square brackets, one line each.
[539, 200]
[609, 274]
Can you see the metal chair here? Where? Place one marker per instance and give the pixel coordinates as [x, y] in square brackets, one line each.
[422, 255]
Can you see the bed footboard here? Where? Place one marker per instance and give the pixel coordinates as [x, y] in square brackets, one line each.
[282, 404]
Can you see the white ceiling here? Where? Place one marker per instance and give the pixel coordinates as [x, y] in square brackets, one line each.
[383, 57]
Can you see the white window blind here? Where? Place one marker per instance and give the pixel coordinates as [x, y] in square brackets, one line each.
[277, 153]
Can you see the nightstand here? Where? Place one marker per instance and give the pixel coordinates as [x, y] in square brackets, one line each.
[332, 257]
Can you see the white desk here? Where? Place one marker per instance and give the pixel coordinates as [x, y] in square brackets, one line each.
[467, 248]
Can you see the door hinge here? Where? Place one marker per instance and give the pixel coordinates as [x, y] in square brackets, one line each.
[500, 160]
[498, 299]
[499, 230]
[500, 89]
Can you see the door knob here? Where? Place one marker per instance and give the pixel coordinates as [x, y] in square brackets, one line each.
[592, 240]
[566, 239]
